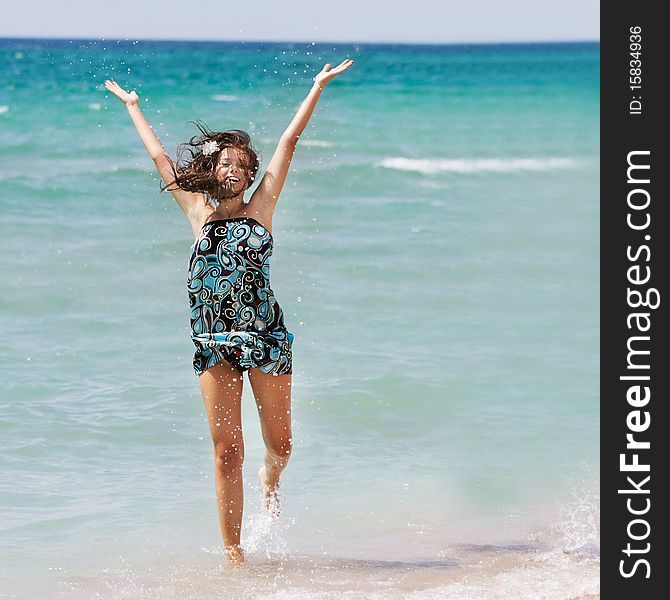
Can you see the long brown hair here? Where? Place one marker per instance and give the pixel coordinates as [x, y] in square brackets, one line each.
[197, 173]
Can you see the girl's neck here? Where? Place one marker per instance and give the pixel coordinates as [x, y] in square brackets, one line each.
[230, 207]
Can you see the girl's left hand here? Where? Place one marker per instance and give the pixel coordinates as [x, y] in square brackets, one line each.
[327, 73]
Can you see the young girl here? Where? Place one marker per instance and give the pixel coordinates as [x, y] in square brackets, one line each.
[236, 323]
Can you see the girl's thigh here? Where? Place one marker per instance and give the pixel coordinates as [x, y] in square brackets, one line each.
[221, 387]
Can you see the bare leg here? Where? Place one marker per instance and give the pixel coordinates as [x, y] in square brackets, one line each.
[221, 387]
[273, 400]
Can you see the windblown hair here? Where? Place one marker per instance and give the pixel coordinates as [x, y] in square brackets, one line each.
[197, 172]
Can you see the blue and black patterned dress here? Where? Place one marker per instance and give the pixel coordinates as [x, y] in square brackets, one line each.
[234, 313]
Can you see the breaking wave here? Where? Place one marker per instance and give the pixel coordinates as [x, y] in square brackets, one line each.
[432, 166]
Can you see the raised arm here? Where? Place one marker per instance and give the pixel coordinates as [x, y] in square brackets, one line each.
[264, 198]
[188, 201]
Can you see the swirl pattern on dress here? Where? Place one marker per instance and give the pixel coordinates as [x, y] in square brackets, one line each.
[234, 313]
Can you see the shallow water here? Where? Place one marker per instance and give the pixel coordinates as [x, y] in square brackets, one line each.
[436, 256]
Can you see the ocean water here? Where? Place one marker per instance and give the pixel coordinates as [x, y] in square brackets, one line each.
[436, 257]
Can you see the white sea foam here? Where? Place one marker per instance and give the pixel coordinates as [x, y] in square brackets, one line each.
[302, 142]
[95, 106]
[551, 577]
[4, 108]
[578, 530]
[432, 166]
[319, 143]
[225, 98]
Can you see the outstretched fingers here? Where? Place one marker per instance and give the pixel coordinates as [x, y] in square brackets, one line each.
[111, 85]
[120, 93]
[327, 73]
[115, 88]
[343, 66]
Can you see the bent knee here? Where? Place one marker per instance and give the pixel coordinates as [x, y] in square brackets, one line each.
[281, 448]
[228, 456]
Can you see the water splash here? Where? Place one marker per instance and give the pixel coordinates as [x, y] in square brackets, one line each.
[578, 531]
[266, 534]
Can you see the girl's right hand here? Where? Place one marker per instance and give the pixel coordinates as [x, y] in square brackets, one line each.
[129, 99]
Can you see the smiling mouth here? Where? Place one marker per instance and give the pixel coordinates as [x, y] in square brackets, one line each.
[232, 180]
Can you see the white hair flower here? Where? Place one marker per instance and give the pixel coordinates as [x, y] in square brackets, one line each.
[209, 147]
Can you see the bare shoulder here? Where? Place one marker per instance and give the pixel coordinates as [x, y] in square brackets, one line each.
[261, 209]
[263, 199]
[200, 216]
[189, 202]
[260, 214]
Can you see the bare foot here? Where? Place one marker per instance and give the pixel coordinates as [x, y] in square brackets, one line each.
[271, 499]
[234, 555]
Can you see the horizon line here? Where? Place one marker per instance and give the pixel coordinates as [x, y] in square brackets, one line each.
[310, 42]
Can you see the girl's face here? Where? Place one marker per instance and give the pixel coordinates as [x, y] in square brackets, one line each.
[232, 171]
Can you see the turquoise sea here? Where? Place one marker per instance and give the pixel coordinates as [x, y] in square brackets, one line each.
[437, 258]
